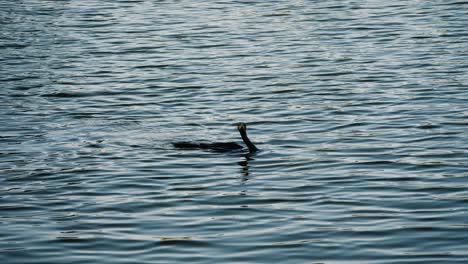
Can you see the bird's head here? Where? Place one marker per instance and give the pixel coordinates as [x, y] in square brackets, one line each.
[241, 127]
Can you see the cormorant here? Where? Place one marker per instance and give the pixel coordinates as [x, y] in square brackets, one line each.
[221, 146]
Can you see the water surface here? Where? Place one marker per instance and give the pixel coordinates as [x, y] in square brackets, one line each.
[359, 108]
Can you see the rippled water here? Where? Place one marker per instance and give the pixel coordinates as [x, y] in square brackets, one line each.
[360, 109]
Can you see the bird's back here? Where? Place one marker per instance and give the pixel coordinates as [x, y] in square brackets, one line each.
[216, 146]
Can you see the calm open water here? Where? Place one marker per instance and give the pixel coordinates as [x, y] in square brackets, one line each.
[360, 109]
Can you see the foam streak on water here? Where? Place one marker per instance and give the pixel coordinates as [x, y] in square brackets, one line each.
[359, 107]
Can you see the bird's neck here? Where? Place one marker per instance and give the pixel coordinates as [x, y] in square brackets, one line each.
[250, 145]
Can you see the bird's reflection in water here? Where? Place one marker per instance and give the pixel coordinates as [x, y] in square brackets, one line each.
[245, 166]
[244, 173]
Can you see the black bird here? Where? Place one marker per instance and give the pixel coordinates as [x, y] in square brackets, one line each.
[221, 146]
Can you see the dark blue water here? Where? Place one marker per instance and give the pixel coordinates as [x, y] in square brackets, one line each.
[360, 109]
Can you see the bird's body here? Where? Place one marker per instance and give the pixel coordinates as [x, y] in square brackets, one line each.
[221, 146]
[217, 146]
